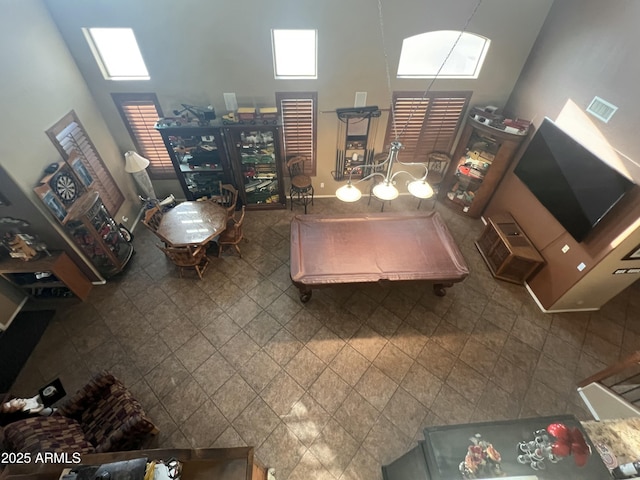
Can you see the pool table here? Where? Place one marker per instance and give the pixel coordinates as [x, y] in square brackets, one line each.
[330, 250]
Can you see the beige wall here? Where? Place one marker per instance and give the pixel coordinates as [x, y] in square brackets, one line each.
[582, 51]
[197, 50]
[40, 84]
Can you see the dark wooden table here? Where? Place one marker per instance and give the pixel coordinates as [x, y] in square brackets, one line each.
[329, 250]
[192, 223]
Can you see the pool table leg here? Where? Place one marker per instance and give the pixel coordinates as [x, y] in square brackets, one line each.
[305, 296]
[305, 292]
[439, 288]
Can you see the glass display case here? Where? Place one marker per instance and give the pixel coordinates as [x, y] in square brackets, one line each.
[198, 158]
[480, 161]
[97, 234]
[256, 161]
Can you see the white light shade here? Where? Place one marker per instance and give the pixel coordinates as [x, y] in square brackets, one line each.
[420, 189]
[348, 193]
[134, 162]
[385, 191]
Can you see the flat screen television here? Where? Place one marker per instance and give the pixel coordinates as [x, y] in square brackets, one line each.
[573, 184]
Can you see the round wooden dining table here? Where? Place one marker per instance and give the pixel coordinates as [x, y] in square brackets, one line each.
[192, 223]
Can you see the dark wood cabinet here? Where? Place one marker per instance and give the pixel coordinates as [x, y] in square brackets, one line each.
[507, 251]
[199, 158]
[247, 156]
[256, 160]
[480, 161]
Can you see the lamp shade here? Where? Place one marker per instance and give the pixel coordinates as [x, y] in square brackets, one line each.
[385, 191]
[420, 189]
[348, 193]
[134, 162]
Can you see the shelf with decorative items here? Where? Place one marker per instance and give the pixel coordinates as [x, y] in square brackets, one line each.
[198, 156]
[254, 151]
[480, 160]
[49, 276]
[97, 234]
[357, 129]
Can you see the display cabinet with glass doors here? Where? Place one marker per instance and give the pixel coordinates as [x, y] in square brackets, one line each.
[255, 157]
[198, 158]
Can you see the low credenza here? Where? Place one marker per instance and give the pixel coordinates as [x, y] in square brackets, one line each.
[507, 251]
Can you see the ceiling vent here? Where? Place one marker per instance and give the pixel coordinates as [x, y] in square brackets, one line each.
[601, 109]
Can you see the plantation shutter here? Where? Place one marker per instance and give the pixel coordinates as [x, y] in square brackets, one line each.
[425, 124]
[140, 112]
[299, 112]
[68, 135]
[409, 117]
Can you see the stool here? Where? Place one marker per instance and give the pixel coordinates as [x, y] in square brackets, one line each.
[301, 186]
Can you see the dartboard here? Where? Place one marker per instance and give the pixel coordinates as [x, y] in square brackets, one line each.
[66, 187]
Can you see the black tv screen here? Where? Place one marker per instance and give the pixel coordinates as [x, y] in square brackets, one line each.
[576, 186]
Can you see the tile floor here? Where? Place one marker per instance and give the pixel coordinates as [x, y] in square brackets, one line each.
[337, 387]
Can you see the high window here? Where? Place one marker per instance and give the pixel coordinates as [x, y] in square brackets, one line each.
[69, 136]
[425, 124]
[117, 53]
[140, 112]
[299, 111]
[295, 53]
[445, 54]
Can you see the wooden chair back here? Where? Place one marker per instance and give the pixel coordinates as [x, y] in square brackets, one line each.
[191, 256]
[233, 234]
[228, 198]
[152, 218]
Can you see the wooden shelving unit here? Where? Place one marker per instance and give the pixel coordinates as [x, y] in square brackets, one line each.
[64, 277]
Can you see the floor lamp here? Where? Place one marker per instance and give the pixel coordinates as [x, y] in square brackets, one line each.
[137, 165]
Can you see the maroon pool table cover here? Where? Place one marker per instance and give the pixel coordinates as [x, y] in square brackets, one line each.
[369, 247]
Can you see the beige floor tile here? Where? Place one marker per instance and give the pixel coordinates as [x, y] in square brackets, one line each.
[233, 397]
[305, 367]
[325, 344]
[335, 448]
[306, 419]
[256, 422]
[282, 393]
[376, 388]
[393, 362]
[421, 384]
[350, 365]
[356, 415]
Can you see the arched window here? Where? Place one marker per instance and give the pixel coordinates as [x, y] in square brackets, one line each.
[422, 55]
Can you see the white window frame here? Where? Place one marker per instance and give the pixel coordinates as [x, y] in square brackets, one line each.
[105, 58]
[443, 54]
[285, 47]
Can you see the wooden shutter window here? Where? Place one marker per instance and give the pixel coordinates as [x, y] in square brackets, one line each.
[299, 112]
[68, 135]
[426, 124]
[140, 112]
[409, 117]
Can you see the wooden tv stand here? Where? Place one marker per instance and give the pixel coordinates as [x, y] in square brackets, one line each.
[507, 251]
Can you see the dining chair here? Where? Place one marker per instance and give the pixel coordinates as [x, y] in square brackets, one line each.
[301, 186]
[152, 218]
[228, 198]
[190, 256]
[232, 235]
